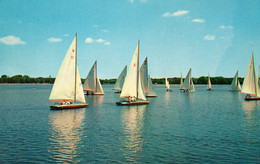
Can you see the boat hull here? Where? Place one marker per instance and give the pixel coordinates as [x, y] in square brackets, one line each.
[150, 96]
[210, 89]
[70, 106]
[93, 93]
[252, 98]
[169, 90]
[118, 91]
[127, 103]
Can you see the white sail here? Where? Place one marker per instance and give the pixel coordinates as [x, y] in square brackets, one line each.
[209, 83]
[188, 83]
[167, 85]
[151, 91]
[144, 76]
[91, 82]
[120, 79]
[146, 81]
[64, 86]
[99, 87]
[192, 85]
[235, 85]
[249, 84]
[132, 86]
[181, 83]
[258, 83]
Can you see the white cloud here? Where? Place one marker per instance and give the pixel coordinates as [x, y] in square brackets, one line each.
[104, 30]
[19, 21]
[175, 14]
[226, 27]
[11, 40]
[107, 43]
[143, 1]
[198, 20]
[66, 35]
[54, 40]
[89, 40]
[209, 37]
[131, 1]
[100, 40]
[96, 26]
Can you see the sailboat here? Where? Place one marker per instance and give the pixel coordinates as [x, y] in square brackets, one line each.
[67, 88]
[235, 85]
[167, 85]
[181, 82]
[209, 85]
[92, 84]
[188, 85]
[132, 88]
[146, 81]
[251, 82]
[120, 80]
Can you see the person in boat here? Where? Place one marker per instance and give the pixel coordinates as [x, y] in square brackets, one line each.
[248, 96]
[129, 99]
[62, 103]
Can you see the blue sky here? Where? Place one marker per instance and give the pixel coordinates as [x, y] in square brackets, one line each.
[216, 37]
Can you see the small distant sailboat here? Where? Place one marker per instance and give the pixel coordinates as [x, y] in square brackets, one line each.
[132, 88]
[146, 81]
[209, 84]
[67, 88]
[235, 85]
[167, 85]
[251, 82]
[188, 85]
[120, 80]
[181, 81]
[92, 84]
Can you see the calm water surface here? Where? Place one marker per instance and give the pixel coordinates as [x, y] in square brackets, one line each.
[207, 127]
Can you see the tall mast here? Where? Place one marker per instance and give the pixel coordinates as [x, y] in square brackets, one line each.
[75, 89]
[95, 75]
[147, 75]
[137, 64]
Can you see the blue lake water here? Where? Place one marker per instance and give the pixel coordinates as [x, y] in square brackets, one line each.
[206, 127]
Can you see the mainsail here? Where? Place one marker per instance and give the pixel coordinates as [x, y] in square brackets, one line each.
[188, 83]
[209, 82]
[167, 85]
[235, 85]
[92, 82]
[250, 84]
[120, 79]
[67, 85]
[146, 81]
[132, 86]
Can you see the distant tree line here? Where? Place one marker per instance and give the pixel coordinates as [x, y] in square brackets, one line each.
[175, 80]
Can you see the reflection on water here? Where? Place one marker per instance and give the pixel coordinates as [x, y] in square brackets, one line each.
[66, 126]
[167, 98]
[95, 99]
[132, 122]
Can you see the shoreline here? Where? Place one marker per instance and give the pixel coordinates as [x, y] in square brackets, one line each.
[105, 84]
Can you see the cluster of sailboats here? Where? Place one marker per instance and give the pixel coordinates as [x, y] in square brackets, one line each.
[133, 85]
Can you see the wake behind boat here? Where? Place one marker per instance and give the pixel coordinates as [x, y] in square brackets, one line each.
[132, 89]
[67, 88]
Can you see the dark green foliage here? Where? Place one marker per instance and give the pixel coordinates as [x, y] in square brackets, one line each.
[175, 80]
